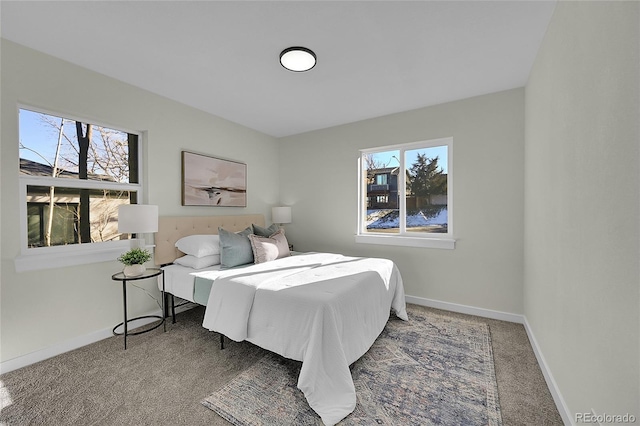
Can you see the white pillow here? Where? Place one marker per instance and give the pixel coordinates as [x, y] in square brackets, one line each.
[199, 245]
[266, 249]
[198, 262]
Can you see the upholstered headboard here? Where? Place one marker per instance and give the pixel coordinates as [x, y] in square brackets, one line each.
[172, 228]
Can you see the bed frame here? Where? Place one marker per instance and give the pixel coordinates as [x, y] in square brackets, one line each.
[172, 228]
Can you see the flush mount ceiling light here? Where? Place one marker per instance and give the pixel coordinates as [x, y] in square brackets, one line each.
[297, 59]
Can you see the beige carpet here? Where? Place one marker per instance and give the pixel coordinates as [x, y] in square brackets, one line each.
[162, 377]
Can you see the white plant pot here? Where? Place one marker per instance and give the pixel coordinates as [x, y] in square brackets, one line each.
[134, 270]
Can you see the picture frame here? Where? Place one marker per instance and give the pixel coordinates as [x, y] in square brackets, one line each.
[211, 181]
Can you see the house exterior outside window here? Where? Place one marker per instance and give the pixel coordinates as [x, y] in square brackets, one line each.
[383, 193]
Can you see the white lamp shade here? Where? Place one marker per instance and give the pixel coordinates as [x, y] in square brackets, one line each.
[281, 214]
[137, 218]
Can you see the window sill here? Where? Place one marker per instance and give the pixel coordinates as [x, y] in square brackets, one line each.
[71, 257]
[397, 240]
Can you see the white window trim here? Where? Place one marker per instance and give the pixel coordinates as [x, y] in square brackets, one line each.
[408, 239]
[73, 255]
[38, 258]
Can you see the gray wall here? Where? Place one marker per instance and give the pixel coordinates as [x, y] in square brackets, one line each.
[44, 308]
[318, 178]
[581, 204]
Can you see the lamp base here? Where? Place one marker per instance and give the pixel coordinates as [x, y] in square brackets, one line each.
[138, 243]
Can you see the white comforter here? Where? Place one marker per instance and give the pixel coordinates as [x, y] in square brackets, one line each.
[323, 309]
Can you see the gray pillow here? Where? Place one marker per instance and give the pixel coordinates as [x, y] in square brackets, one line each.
[235, 248]
[265, 232]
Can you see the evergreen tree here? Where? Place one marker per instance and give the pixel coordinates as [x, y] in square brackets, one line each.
[426, 178]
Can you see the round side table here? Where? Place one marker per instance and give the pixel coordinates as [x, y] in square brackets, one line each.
[149, 273]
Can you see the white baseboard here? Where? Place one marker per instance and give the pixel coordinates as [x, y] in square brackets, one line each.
[564, 411]
[465, 309]
[505, 316]
[75, 343]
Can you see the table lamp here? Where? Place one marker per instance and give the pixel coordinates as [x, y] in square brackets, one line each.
[137, 219]
[281, 215]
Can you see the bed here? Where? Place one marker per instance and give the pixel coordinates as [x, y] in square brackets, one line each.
[180, 280]
[323, 309]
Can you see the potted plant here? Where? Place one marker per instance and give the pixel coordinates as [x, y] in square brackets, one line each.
[134, 261]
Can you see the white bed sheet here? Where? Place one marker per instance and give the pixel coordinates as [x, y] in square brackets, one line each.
[323, 309]
[180, 280]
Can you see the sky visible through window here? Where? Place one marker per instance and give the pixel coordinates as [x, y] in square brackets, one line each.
[36, 136]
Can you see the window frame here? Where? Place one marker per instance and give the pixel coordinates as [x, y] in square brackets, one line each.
[37, 258]
[404, 237]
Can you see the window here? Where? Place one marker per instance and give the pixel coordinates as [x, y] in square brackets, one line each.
[64, 224]
[73, 177]
[381, 179]
[406, 195]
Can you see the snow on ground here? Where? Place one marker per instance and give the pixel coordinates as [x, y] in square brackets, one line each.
[388, 218]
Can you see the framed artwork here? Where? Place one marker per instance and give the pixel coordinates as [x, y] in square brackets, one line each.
[210, 181]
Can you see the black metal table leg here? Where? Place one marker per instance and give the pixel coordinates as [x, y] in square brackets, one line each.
[124, 298]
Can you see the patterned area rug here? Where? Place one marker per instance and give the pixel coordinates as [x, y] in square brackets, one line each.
[432, 370]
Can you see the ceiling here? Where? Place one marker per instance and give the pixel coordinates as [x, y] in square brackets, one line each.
[374, 57]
